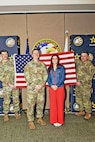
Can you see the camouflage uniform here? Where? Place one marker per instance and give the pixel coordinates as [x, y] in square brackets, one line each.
[85, 72]
[1, 74]
[7, 76]
[35, 74]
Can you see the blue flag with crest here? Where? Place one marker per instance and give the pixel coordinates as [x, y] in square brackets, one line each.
[27, 47]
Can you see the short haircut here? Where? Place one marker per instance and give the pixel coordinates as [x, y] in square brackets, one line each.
[3, 51]
[36, 50]
[85, 52]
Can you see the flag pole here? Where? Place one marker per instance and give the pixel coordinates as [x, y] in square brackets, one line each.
[27, 39]
[66, 49]
[26, 26]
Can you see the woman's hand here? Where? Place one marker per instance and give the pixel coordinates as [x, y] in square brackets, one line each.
[54, 87]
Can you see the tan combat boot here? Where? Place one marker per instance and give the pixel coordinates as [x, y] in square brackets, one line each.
[17, 116]
[6, 118]
[32, 125]
[87, 116]
[41, 121]
[80, 113]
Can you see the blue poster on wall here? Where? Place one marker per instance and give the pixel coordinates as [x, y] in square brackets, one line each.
[78, 44]
[12, 45]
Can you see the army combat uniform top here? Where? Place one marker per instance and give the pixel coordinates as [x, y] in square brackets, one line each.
[7, 73]
[35, 74]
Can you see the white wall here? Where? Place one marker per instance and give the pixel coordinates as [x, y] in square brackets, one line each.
[46, 6]
[43, 2]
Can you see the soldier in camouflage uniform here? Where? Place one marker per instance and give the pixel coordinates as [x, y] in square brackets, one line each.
[0, 65]
[85, 71]
[36, 75]
[0, 60]
[7, 78]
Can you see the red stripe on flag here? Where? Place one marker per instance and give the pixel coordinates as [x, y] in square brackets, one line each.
[21, 87]
[20, 81]
[20, 76]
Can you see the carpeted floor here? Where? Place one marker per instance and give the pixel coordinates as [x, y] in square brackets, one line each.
[75, 129]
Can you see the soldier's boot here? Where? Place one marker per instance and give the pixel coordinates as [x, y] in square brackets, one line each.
[6, 118]
[80, 113]
[41, 122]
[87, 116]
[32, 125]
[17, 116]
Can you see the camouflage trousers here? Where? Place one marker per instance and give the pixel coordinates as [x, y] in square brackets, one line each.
[7, 93]
[33, 98]
[83, 99]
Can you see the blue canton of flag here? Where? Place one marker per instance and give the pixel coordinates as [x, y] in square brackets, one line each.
[20, 62]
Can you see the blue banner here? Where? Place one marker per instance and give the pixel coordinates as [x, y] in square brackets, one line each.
[80, 43]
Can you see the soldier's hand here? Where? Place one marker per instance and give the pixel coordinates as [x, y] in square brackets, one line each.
[11, 86]
[78, 83]
[38, 87]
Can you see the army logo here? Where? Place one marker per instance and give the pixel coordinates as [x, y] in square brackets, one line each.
[47, 46]
[91, 57]
[76, 106]
[10, 42]
[1, 92]
[78, 41]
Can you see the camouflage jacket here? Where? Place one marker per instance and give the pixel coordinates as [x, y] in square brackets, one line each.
[35, 73]
[85, 71]
[7, 72]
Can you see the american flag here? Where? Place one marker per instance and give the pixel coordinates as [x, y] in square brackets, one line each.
[66, 59]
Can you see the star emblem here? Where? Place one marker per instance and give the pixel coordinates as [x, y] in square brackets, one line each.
[93, 105]
[92, 39]
[77, 56]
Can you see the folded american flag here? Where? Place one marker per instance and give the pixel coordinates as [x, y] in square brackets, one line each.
[66, 59]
